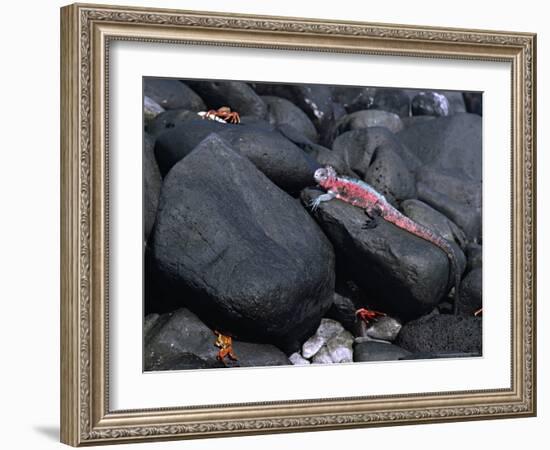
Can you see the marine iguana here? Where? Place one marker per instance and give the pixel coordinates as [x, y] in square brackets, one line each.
[362, 195]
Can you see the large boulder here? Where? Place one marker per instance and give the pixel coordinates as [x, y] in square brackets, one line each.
[281, 111]
[239, 251]
[152, 183]
[237, 95]
[172, 94]
[448, 144]
[277, 157]
[402, 274]
[367, 119]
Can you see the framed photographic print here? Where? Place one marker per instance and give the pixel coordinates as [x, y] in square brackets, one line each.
[277, 224]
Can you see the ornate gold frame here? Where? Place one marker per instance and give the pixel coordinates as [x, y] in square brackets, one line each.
[86, 31]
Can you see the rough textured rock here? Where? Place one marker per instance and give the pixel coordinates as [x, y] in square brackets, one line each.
[424, 214]
[442, 333]
[354, 98]
[281, 111]
[343, 311]
[430, 104]
[322, 357]
[389, 175]
[237, 95]
[377, 351]
[182, 341]
[340, 347]
[385, 328]
[170, 119]
[357, 147]
[457, 198]
[403, 275]
[448, 144]
[471, 290]
[314, 99]
[327, 329]
[392, 100]
[369, 118]
[172, 94]
[152, 183]
[277, 157]
[255, 262]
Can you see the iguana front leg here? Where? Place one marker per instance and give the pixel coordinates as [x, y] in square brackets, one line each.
[322, 198]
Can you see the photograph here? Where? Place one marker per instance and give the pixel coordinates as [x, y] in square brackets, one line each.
[300, 224]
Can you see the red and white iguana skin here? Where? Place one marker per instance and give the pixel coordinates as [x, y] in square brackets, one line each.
[360, 194]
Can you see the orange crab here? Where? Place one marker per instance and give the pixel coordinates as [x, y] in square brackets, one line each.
[368, 315]
[225, 344]
[223, 114]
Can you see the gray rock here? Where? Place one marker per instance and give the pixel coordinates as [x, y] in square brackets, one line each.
[149, 323]
[283, 162]
[258, 355]
[430, 104]
[474, 255]
[298, 360]
[281, 111]
[442, 333]
[450, 144]
[377, 351]
[182, 341]
[474, 102]
[322, 357]
[389, 175]
[152, 182]
[369, 118]
[392, 100]
[354, 98]
[404, 275]
[424, 214]
[340, 347]
[239, 96]
[343, 311]
[471, 292]
[456, 101]
[385, 329]
[151, 109]
[171, 119]
[327, 329]
[314, 99]
[172, 94]
[253, 260]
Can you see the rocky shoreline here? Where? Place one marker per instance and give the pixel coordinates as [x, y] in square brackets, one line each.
[232, 246]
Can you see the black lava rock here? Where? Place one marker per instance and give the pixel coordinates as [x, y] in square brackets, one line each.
[282, 161]
[402, 274]
[170, 119]
[448, 144]
[392, 100]
[457, 198]
[343, 311]
[255, 263]
[442, 333]
[367, 119]
[239, 96]
[430, 104]
[172, 94]
[474, 102]
[152, 182]
[281, 111]
[377, 351]
[471, 292]
[354, 98]
[389, 175]
[183, 342]
[474, 255]
[314, 99]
